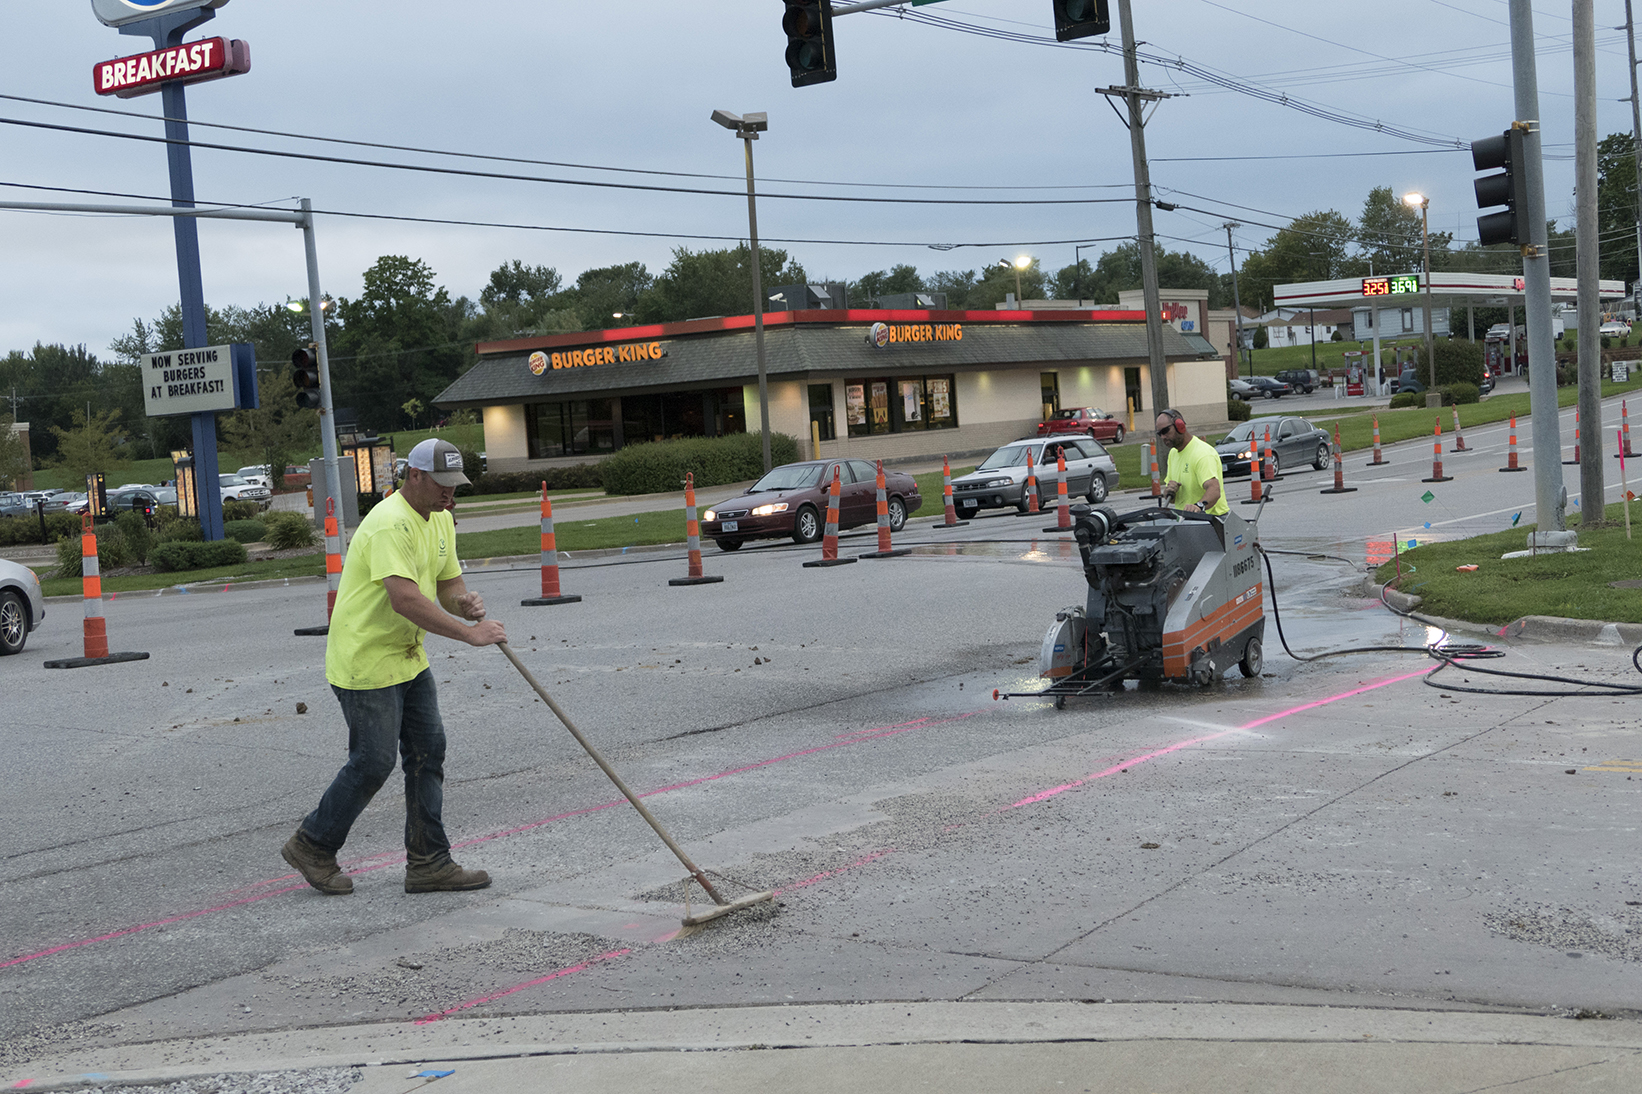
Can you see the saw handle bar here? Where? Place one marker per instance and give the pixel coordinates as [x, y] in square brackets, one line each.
[1097, 524]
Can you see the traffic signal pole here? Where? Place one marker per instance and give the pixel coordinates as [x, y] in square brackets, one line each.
[327, 415]
[1550, 499]
[1151, 297]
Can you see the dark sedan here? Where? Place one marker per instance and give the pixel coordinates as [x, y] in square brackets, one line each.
[1294, 442]
[1270, 388]
[791, 501]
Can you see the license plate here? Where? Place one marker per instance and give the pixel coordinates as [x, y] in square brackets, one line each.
[730, 526]
[968, 503]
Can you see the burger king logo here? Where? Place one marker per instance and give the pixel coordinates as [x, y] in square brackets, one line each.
[879, 335]
[538, 362]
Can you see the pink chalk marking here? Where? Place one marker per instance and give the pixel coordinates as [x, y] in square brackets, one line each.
[22, 1083]
[483, 999]
[388, 858]
[1124, 765]
[874, 857]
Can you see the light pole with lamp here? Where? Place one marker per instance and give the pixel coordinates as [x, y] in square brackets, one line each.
[1021, 262]
[748, 128]
[1432, 398]
[1077, 264]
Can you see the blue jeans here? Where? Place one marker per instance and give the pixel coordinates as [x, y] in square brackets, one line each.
[402, 719]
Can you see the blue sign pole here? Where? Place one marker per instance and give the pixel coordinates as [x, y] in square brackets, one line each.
[167, 31]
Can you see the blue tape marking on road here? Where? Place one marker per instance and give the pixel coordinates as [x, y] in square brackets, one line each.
[432, 1074]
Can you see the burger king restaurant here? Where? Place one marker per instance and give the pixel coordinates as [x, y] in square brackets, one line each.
[870, 384]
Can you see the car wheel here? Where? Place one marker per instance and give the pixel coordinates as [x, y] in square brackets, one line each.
[1097, 489]
[1270, 463]
[1271, 394]
[14, 623]
[806, 527]
[1323, 456]
[897, 514]
[729, 544]
[1117, 438]
[1253, 659]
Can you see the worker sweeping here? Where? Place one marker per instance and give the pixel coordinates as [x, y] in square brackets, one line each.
[401, 580]
[1194, 467]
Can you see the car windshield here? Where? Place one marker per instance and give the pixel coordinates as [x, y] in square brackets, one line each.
[1247, 429]
[1064, 415]
[1012, 455]
[794, 476]
[232, 480]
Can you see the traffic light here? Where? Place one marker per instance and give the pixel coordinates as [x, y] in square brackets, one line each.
[305, 376]
[1509, 189]
[1081, 18]
[809, 42]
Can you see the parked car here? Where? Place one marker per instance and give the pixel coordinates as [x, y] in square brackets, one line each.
[142, 499]
[791, 500]
[257, 475]
[15, 505]
[67, 502]
[1302, 380]
[1090, 420]
[1407, 381]
[22, 608]
[235, 488]
[1269, 387]
[1294, 442]
[1241, 389]
[999, 481]
[1616, 328]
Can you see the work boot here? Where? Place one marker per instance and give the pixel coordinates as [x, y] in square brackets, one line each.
[318, 868]
[443, 876]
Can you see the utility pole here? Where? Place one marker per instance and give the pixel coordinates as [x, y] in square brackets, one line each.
[1636, 128]
[1237, 304]
[1592, 490]
[1550, 499]
[1135, 96]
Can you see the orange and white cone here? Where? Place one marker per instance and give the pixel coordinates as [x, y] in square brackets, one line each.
[1576, 438]
[951, 520]
[829, 538]
[1255, 494]
[1624, 431]
[1269, 467]
[1436, 457]
[1063, 505]
[1157, 480]
[1031, 486]
[885, 549]
[96, 627]
[1339, 486]
[1459, 438]
[1378, 460]
[1511, 452]
[692, 539]
[333, 569]
[550, 562]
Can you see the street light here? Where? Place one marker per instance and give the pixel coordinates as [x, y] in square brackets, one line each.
[1021, 262]
[1424, 203]
[748, 128]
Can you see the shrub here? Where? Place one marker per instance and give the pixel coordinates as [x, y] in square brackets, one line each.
[240, 510]
[1407, 398]
[15, 530]
[1238, 411]
[660, 466]
[179, 530]
[1461, 394]
[111, 551]
[581, 476]
[1338, 335]
[288, 531]
[1458, 362]
[139, 540]
[1606, 342]
[244, 531]
[181, 555]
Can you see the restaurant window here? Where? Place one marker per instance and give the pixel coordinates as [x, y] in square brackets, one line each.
[573, 428]
[899, 405]
[1049, 382]
[821, 411]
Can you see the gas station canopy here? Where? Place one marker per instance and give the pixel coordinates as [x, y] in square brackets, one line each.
[1447, 290]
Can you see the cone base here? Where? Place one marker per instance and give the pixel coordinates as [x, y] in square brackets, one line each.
[1252, 501]
[538, 601]
[1339, 490]
[83, 662]
[1502, 469]
[896, 553]
[1032, 512]
[1444, 478]
[954, 524]
[693, 580]
[1377, 463]
[322, 629]
[1624, 455]
[829, 562]
[1570, 463]
[1056, 528]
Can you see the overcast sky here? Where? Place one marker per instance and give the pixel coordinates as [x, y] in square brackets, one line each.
[916, 106]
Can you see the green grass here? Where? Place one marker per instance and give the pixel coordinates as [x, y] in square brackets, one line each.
[269, 570]
[144, 471]
[1574, 586]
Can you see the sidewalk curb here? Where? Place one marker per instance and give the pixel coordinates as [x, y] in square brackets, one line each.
[1545, 628]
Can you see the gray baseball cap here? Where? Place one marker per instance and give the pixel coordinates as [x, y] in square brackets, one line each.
[441, 459]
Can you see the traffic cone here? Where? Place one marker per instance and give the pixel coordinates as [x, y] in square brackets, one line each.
[550, 563]
[1576, 438]
[1511, 453]
[829, 539]
[692, 538]
[1063, 505]
[1459, 438]
[1624, 431]
[1339, 486]
[1436, 458]
[1254, 471]
[1269, 466]
[884, 549]
[96, 627]
[1157, 480]
[952, 520]
[1031, 488]
[1377, 461]
[333, 570]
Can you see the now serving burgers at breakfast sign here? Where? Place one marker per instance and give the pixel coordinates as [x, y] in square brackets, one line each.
[200, 381]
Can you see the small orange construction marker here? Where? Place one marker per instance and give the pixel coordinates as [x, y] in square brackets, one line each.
[692, 538]
[96, 627]
[550, 563]
[829, 538]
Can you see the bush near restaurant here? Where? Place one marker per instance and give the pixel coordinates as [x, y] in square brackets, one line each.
[1458, 362]
[139, 538]
[241, 510]
[19, 530]
[244, 531]
[1406, 399]
[659, 466]
[111, 551]
[182, 555]
[1461, 394]
[580, 476]
[288, 531]
[1238, 411]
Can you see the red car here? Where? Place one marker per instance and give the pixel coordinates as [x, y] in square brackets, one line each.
[792, 501]
[1089, 420]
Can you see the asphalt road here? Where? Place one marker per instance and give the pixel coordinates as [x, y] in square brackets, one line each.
[1331, 834]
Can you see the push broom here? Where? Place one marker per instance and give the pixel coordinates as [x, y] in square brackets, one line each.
[720, 905]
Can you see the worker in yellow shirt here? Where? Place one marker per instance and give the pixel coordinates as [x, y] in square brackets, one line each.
[1194, 468]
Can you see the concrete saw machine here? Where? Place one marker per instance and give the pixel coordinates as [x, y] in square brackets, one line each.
[1173, 596]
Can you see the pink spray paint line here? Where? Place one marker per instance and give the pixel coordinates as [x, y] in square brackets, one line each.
[1045, 795]
[382, 860]
[440, 1015]
[807, 882]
